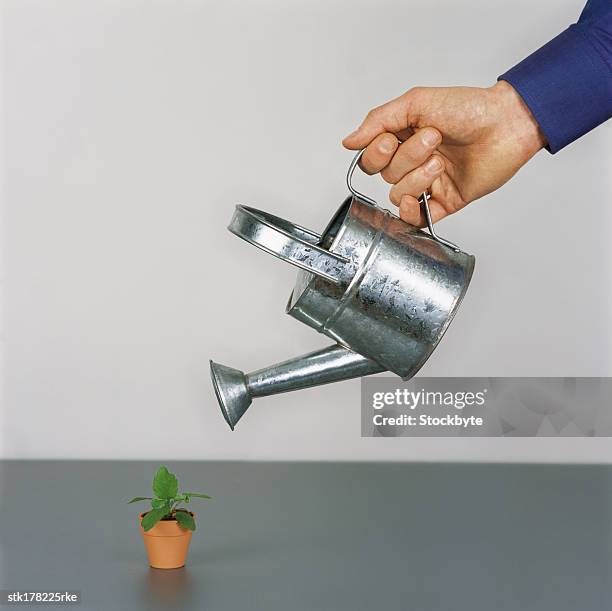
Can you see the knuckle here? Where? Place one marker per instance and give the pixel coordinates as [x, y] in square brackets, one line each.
[458, 202]
[366, 169]
[387, 176]
[374, 113]
[366, 159]
[414, 91]
[394, 197]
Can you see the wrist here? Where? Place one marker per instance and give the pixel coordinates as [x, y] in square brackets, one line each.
[516, 121]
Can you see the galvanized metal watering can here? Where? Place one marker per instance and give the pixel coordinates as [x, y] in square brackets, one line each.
[383, 290]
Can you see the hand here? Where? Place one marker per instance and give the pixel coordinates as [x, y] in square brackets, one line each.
[459, 142]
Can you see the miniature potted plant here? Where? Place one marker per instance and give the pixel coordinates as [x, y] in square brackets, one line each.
[166, 528]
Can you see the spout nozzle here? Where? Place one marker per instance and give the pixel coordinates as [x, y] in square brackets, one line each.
[235, 390]
[232, 392]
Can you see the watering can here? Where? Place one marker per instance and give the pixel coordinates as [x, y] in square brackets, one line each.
[382, 290]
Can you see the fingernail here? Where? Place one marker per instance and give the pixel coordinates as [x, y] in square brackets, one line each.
[431, 137]
[387, 145]
[433, 165]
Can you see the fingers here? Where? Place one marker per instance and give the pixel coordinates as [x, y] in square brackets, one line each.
[411, 211]
[392, 117]
[411, 154]
[378, 153]
[445, 200]
[417, 181]
[384, 154]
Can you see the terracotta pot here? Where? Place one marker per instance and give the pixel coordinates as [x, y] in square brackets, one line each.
[166, 543]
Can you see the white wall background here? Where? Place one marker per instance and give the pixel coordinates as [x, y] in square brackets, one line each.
[130, 130]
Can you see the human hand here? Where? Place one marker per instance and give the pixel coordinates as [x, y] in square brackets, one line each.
[460, 143]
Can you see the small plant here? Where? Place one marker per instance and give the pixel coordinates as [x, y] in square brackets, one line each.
[164, 505]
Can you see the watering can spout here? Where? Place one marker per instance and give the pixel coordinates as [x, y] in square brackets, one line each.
[232, 392]
[235, 390]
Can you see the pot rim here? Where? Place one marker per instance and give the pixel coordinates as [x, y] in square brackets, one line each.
[144, 513]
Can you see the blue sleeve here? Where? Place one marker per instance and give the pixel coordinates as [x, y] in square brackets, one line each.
[567, 84]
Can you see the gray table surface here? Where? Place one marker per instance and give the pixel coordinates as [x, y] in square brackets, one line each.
[319, 536]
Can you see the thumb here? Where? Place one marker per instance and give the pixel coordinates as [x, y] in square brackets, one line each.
[392, 117]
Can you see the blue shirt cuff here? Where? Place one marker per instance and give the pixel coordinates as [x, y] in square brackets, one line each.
[567, 85]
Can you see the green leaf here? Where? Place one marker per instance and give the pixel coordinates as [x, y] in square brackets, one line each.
[165, 484]
[152, 518]
[185, 520]
[139, 498]
[158, 503]
[198, 495]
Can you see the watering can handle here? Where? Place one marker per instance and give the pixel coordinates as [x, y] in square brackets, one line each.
[287, 241]
[368, 200]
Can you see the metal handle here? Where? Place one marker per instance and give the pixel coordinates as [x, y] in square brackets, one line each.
[287, 241]
[349, 183]
[422, 199]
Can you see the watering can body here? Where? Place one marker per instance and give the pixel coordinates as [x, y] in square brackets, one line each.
[383, 290]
